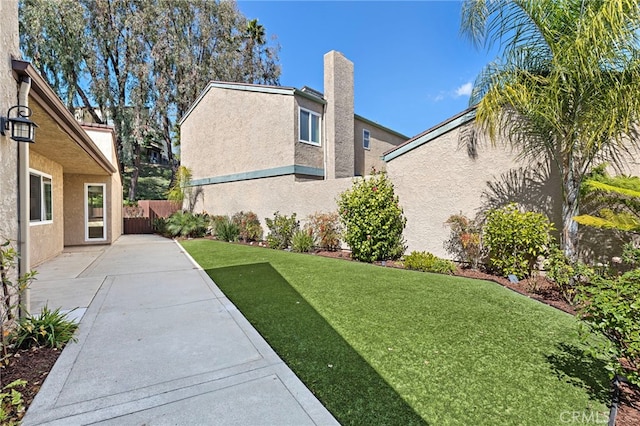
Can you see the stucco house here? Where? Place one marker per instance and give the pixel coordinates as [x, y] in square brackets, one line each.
[267, 148]
[64, 189]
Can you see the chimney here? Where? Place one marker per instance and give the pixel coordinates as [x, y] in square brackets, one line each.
[338, 91]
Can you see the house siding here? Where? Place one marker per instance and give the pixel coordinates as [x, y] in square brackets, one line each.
[380, 141]
[8, 98]
[234, 131]
[307, 154]
[74, 213]
[47, 240]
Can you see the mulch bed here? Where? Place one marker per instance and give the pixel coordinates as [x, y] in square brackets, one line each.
[32, 365]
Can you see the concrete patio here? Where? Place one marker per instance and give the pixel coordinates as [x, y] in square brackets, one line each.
[158, 343]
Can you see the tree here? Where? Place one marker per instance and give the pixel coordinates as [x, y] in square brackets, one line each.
[141, 64]
[566, 88]
[615, 200]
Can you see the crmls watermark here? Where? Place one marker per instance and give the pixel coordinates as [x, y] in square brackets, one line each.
[584, 417]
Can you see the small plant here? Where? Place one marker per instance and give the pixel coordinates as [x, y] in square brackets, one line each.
[49, 328]
[372, 218]
[227, 230]
[515, 239]
[160, 226]
[611, 307]
[248, 226]
[326, 230]
[565, 274]
[465, 240]
[281, 230]
[12, 403]
[12, 290]
[186, 224]
[428, 262]
[302, 241]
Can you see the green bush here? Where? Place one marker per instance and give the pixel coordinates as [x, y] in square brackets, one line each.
[227, 230]
[160, 226]
[281, 230]
[612, 307]
[248, 226]
[515, 239]
[565, 274]
[187, 224]
[427, 262]
[49, 328]
[302, 241]
[465, 240]
[372, 219]
[326, 230]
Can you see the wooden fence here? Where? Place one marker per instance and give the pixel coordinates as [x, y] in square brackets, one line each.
[139, 220]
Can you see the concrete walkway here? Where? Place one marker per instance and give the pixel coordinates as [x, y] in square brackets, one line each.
[159, 343]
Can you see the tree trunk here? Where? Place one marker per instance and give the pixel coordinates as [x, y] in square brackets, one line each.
[133, 184]
[570, 209]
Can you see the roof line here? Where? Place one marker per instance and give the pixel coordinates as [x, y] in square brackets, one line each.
[379, 126]
[431, 133]
[52, 103]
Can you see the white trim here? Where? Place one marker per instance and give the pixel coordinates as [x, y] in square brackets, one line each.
[368, 146]
[86, 212]
[42, 204]
[311, 114]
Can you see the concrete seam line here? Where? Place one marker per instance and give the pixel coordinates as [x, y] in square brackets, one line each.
[191, 259]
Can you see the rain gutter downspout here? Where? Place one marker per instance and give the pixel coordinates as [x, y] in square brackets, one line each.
[24, 202]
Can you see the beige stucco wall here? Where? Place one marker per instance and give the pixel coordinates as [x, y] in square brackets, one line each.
[305, 153]
[74, 220]
[440, 178]
[8, 98]
[47, 240]
[266, 196]
[380, 141]
[234, 131]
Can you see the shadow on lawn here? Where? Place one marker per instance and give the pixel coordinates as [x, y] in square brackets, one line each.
[345, 383]
[582, 369]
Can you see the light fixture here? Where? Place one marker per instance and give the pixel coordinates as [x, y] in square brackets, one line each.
[22, 129]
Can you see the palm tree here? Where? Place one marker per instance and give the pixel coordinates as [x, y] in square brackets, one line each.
[567, 87]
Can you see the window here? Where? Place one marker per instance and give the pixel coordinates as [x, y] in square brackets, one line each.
[366, 144]
[40, 198]
[309, 129]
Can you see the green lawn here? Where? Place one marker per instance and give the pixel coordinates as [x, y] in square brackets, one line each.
[386, 346]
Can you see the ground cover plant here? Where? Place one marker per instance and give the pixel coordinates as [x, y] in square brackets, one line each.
[388, 346]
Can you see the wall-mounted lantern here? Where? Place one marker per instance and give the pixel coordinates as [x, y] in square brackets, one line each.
[22, 129]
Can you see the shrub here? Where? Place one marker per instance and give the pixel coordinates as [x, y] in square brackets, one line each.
[611, 307]
[302, 241]
[227, 230]
[160, 226]
[248, 226]
[565, 274]
[326, 230]
[372, 219]
[49, 328]
[427, 262]
[281, 230]
[11, 292]
[515, 239]
[465, 240]
[186, 224]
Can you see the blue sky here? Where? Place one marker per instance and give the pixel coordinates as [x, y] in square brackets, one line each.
[413, 69]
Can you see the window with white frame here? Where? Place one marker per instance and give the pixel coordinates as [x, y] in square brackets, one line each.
[40, 196]
[366, 140]
[309, 127]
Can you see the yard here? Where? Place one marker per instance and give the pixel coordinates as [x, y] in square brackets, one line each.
[388, 346]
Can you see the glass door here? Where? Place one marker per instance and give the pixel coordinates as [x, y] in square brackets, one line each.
[95, 212]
